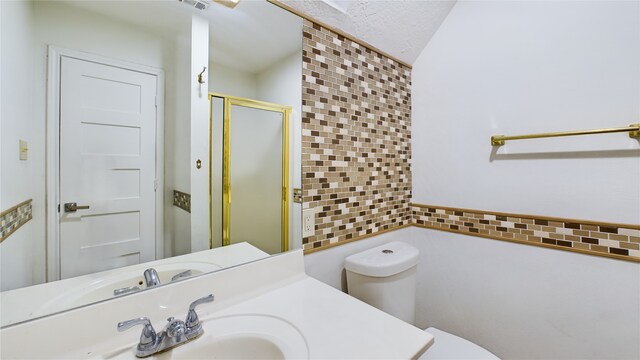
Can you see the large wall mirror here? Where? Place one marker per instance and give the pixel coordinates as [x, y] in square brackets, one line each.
[96, 145]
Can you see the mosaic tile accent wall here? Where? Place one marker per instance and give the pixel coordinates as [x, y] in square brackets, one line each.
[12, 219]
[356, 149]
[621, 241]
[182, 200]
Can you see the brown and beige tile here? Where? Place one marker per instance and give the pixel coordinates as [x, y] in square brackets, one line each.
[618, 241]
[13, 218]
[356, 119]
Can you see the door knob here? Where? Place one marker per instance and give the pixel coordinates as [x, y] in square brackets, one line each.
[73, 207]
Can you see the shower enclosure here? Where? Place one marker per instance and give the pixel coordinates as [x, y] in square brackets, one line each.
[249, 178]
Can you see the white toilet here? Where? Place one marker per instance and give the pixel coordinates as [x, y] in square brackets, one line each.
[385, 277]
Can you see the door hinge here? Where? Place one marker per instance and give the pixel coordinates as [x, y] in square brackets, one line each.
[156, 101]
[58, 207]
[155, 185]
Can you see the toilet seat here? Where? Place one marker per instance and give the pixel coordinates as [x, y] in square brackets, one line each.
[449, 346]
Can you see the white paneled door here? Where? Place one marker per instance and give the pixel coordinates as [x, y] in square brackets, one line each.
[107, 167]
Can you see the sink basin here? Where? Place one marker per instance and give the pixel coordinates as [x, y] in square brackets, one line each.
[245, 336]
[238, 347]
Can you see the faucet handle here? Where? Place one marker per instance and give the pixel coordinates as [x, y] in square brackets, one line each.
[181, 275]
[192, 321]
[207, 299]
[148, 335]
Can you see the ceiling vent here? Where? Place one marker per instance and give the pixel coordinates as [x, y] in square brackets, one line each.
[198, 4]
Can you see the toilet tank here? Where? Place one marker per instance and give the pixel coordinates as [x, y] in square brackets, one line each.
[385, 277]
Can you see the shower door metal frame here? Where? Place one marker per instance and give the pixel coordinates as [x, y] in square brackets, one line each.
[230, 101]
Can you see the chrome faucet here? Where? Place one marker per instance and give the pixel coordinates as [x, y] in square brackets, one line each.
[151, 277]
[175, 332]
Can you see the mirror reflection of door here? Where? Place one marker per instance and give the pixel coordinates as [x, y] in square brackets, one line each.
[255, 174]
[107, 167]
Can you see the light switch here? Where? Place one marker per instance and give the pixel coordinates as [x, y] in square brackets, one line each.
[24, 150]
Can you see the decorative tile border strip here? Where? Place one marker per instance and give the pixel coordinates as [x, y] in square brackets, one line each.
[182, 200]
[619, 241]
[12, 219]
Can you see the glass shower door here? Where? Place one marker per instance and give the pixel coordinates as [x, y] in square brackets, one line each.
[249, 180]
[255, 171]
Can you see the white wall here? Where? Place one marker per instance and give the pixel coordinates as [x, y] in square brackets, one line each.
[228, 81]
[526, 302]
[178, 153]
[22, 253]
[199, 135]
[518, 301]
[282, 84]
[518, 67]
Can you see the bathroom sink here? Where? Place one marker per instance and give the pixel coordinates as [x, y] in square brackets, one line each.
[250, 336]
[238, 347]
[243, 336]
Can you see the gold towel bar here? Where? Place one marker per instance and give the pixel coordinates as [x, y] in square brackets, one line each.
[633, 129]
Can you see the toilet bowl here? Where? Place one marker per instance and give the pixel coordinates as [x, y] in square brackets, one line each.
[385, 277]
[450, 347]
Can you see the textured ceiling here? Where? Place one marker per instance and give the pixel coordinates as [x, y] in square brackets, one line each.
[401, 28]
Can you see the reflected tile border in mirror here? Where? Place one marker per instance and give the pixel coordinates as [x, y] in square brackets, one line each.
[182, 200]
[13, 218]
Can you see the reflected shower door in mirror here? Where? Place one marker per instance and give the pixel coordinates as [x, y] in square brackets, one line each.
[254, 143]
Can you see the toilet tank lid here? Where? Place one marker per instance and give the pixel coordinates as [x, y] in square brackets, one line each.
[386, 260]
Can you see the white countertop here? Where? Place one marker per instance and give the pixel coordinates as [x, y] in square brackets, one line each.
[335, 325]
